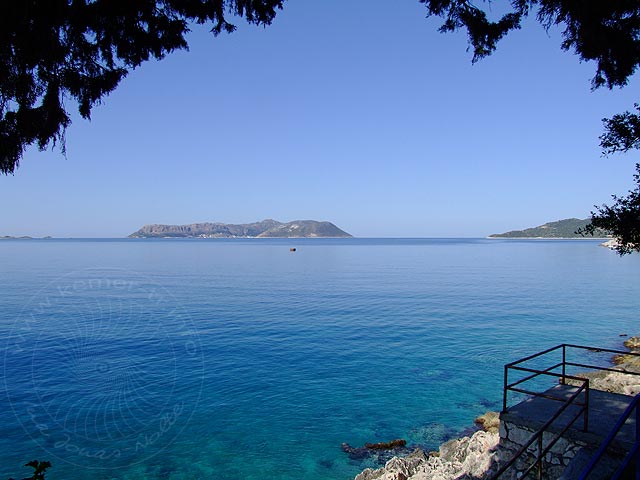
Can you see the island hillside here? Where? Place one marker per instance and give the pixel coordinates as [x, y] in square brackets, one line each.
[561, 229]
[264, 229]
[23, 237]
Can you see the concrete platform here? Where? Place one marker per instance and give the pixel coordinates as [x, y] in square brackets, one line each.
[604, 411]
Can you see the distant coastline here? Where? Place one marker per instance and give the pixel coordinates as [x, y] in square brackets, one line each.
[493, 237]
[567, 229]
[24, 237]
[401, 239]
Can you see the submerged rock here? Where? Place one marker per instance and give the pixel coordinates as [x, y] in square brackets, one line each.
[355, 453]
[386, 445]
[432, 435]
[378, 452]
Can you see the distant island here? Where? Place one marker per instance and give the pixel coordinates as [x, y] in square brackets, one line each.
[24, 237]
[561, 229]
[264, 229]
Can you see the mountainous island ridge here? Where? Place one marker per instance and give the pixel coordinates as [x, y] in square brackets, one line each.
[268, 228]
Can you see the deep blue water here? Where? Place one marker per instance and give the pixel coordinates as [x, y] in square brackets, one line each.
[189, 359]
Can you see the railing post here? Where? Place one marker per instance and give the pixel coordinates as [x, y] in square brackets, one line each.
[586, 406]
[636, 460]
[504, 389]
[564, 363]
[540, 456]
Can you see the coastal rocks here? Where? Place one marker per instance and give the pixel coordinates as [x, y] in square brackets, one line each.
[397, 467]
[489, 422]
[617, 383]
[632, 343]
[474, 454]
[628, 361]
[611, 244]
[468, 457]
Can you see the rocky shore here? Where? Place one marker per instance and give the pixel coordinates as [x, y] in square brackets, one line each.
[467, 457]
[479, 456]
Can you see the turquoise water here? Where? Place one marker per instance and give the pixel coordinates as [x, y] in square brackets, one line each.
[189, 359]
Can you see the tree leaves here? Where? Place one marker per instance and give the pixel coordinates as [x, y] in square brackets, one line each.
[601, 31]
[622, 219]
[81, 49]
[39, 469]
[622, 132]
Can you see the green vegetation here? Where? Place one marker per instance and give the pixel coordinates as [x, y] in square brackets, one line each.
[568, 228]
[622, 219]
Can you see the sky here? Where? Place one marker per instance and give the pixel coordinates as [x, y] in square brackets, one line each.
[355, 112]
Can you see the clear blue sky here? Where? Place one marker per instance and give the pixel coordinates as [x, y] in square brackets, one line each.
[355, 112]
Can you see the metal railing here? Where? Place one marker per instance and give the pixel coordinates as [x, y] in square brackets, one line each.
[582, 387]
[562, 364]
[634, 452]
[538, 436]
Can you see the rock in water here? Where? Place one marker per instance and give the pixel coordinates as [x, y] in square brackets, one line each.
[632, 343]
[397, 443]
[379, 453]
[489, 422]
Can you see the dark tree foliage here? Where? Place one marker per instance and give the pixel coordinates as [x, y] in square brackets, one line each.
[39, 470]
[607, 32]
[622, 219]
[52, 50]
[622, 132]
[604, 31]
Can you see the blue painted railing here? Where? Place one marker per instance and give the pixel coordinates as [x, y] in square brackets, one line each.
[632, 460]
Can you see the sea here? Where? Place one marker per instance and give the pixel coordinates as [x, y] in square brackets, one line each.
[242, 359]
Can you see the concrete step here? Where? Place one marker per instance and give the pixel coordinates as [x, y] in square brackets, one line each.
[605, 468]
